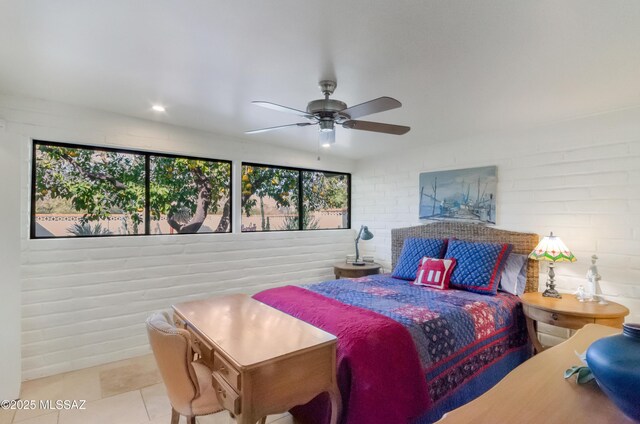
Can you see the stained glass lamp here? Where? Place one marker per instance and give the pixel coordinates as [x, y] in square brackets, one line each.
[552, 249]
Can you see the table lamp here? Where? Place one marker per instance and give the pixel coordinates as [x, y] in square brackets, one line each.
[364, 234]
[552, 249]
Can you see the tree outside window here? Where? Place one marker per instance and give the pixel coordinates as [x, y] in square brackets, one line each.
[190, 195]
[326, 200]
[270, 199]
[87, 191]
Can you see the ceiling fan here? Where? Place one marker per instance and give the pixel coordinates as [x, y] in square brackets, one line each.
[327, 113]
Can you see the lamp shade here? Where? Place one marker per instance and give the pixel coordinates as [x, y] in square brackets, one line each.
[366, 234]
[552, 249]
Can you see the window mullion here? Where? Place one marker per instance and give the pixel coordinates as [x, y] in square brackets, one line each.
[147, 194]
[300, 202]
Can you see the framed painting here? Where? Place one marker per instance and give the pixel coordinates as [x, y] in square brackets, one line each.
[461, 194]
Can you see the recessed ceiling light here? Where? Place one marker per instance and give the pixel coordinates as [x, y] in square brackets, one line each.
[158, 108]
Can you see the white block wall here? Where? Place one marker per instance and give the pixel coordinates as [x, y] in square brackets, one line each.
[10, 269]
[84, 301]
[578, 178]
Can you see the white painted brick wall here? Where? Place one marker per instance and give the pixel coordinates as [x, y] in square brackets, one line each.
[84, 301]
[578, 178]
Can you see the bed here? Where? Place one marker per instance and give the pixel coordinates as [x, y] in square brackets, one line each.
[408, 354]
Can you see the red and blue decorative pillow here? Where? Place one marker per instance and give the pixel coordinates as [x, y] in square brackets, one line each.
[413, 250]
[479, 265]
[434, 273]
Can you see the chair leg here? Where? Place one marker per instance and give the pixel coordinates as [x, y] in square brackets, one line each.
[175, 417]
[191, 419]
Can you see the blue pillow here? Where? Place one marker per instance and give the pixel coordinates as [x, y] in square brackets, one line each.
[413, 250]
[479, 265]
[514, 275]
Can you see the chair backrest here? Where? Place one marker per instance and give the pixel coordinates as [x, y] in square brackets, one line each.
[172, 349]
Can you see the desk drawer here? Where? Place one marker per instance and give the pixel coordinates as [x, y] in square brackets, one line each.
[201, 348]
[558, 318]
[228, 398]
[226, 371]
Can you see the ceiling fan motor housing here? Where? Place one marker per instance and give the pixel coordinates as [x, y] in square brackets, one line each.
[326, 108]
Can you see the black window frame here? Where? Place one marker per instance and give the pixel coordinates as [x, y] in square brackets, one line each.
[147, 183]
[301, 196]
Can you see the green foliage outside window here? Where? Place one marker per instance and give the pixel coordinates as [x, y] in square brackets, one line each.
[95, 183]
[272, 193]
[86, 191]
[103, 192]
[188, 190]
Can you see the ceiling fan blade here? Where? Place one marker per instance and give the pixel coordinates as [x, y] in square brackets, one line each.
[372, 106]
[285, 109]
[300, 124]
[376, 127]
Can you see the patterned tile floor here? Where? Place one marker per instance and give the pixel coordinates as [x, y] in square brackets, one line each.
[124, 392]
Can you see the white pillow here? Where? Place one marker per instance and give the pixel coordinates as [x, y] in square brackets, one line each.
[514, 275]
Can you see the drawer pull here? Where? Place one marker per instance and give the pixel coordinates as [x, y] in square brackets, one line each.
[554, 316]
[226, 371]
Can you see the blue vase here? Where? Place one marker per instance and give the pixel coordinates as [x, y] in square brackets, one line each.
[615, 362]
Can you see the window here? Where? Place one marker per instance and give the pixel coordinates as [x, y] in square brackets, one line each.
[189, 195]
[271, 199]
[95, 191]
[325, 200]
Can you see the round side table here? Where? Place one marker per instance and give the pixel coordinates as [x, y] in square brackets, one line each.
[344, 270]
[568, 312]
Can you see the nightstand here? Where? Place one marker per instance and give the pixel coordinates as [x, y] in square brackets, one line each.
[568, 312]
[344, 270]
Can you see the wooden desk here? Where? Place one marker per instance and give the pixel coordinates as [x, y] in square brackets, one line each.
[536, 391]
[568, 312]
[263, 360]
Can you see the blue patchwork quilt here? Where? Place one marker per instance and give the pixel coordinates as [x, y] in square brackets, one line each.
[457, 334]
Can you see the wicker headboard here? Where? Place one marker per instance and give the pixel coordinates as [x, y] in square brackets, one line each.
[523, 243]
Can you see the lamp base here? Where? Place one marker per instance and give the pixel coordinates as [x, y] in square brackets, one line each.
[551, 293]
[359, 263]
[551, 284]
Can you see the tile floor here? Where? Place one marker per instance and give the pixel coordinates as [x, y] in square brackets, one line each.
[124, 392]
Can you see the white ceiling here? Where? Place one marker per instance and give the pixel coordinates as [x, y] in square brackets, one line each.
[458, 67]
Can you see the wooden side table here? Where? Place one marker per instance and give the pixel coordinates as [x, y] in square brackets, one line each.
[536, 391]
[568, 312]
[345, 270]
[263, 360]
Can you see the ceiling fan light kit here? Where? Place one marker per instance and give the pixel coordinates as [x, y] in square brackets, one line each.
[326, 113]
[327, 138]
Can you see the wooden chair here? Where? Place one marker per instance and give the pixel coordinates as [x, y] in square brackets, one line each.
[188, 382]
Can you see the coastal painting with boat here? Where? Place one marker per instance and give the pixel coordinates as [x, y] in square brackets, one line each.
[461, 194]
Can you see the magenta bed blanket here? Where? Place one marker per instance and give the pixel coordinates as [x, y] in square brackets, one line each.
[373, 350]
